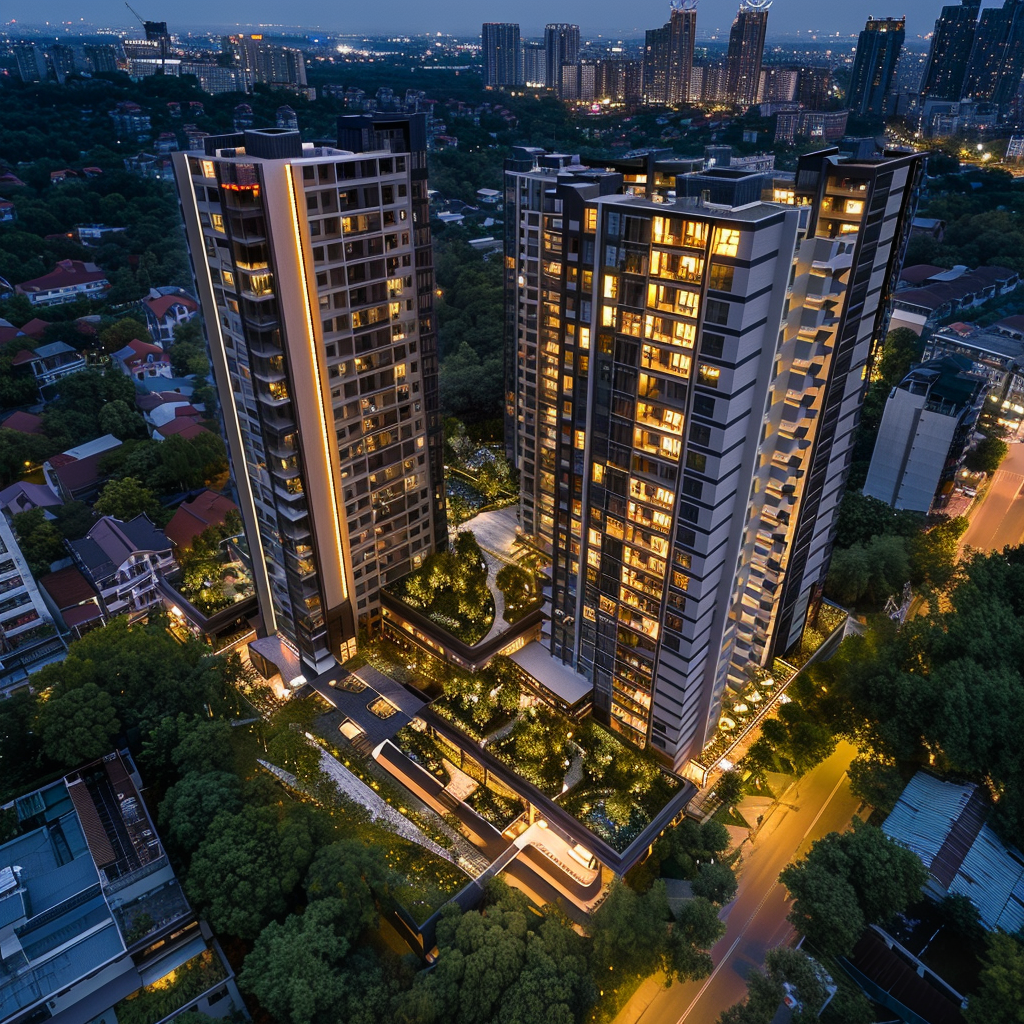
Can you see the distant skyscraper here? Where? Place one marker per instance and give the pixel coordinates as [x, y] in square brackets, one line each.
[950, 51]
[561, 46]
[746, 47]
[502, 54]
[313, 268]
[997, 60]
[668, 56]
[815, 86]
[31, 62]
[535, 65]
[878, 50]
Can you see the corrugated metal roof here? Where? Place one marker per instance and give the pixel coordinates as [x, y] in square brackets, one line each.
[923, 816]
[95, 834]
[992, 877]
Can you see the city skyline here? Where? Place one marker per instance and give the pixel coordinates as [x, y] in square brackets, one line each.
[789, 18]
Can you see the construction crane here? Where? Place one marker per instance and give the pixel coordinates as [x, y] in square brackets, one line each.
[156, 31]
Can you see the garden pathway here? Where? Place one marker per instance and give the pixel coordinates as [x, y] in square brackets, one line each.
[574, 775]
[354, 787]
[500, 733]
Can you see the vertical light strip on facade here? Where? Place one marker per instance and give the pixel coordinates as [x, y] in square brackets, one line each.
[242, 476]
[321, 408]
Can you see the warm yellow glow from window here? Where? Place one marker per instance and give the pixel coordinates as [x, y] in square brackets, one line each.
[727, 242]
[590, 220]
[209, 171]
[218, 222]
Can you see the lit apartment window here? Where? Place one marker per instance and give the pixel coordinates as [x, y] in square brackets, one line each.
[727, 242]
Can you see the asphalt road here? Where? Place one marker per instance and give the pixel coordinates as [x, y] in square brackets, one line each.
[999, 519]
[820, 803]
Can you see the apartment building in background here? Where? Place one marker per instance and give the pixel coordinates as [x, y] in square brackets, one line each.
[878, 51]
[314, 270]
[685, 381]
[561, 48]
[502, 54]
[746, 49]
[668, 56]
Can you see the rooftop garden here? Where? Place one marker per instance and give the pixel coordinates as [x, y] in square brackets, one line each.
[611, 788]
[521, 591]
[480, 703]
[174, 990]
[450, 589]
[212, 577]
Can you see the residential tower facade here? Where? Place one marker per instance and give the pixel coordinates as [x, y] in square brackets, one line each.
[687, 378]
[313, 267]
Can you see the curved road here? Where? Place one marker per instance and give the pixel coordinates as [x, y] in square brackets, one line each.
[819, 803]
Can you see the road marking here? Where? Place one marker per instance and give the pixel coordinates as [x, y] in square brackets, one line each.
[764, 899]
[842, 779]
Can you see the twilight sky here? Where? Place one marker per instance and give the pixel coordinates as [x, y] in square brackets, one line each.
[608, 17]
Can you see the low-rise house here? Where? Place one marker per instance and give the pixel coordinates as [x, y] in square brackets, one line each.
[993, 355]
[49, 364]
[93, 234]
[28, 639]
[925, 432]
[159, 407]
[68, 281]
[166, 309]
[74, 599]
[944, 824]
[8, 213]
[193, 517]
[23, 423]
[935, 293]
[123, 561]
[23, 496]
[91, 912]
[75, 475]
[140, 359]
[186, 426]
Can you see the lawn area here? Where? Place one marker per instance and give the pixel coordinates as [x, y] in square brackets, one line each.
[451, 590]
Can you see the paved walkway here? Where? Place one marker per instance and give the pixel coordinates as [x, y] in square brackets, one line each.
[354, 788]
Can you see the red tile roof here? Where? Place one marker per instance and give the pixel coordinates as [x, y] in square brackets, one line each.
[23, 357]
[67, 272]
[67, 587]
[192, 517]
[35, 327]
[159, 307]
[24, 423]
[185, 428]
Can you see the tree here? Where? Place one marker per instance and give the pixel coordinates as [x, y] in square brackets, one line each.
[78, 724]
[502, 964]
[190, 806]
[204, 746]
[986, 456]
[20, 452]
[902, 348]
[356, 876]
[998, 1000]
[125, 499]
[121, 420]
[730, 788]
[715, 883]
[849, 880]
[630, 930]
[239, 876]
[295, 969]
[39, 539]
[696, 930]
[118, 333]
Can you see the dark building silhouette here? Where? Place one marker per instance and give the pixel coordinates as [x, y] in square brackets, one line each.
[746, 47]
[502, 54]
[561, 46]
[997, 60]
[878, 50]
[950, 51]
[668, 55]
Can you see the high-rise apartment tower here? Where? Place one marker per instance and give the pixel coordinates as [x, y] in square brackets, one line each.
[950, 51]
[997, 60]
[687, 377]
[746, 48]
[878, 50]
[313, 266]
[502, 54]
[668, 55]
[561, 48]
